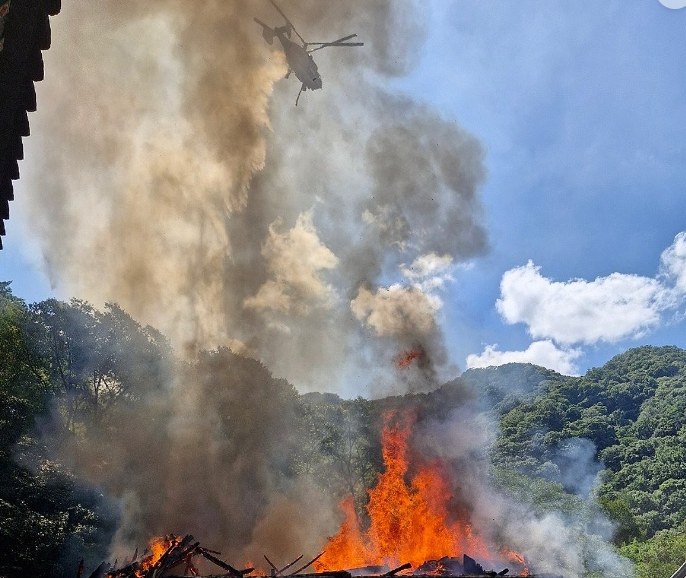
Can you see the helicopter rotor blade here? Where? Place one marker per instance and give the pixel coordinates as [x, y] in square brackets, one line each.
[287, 21]
[336, 44]
[336, 41]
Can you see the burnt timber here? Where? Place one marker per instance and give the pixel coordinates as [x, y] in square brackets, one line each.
[24, 33]
[177, 561]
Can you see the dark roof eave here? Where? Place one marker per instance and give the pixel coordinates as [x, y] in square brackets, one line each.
[26, 33]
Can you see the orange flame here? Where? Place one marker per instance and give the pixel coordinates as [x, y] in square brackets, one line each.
[517, 559]
[406, 358]
[408, 522]
[157, 546]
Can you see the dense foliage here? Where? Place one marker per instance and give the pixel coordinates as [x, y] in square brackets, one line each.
[76, 362]
[633, 409]
[616, 436]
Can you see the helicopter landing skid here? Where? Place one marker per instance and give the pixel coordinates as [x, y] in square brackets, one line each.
[299, 93]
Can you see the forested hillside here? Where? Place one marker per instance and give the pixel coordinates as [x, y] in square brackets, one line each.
[633, 410]
[72, 376]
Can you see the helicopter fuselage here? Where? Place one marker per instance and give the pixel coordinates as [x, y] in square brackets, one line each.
[300, 62]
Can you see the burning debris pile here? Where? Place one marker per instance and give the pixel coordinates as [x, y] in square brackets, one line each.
[171, 556]
[167, 556]
[415, 523]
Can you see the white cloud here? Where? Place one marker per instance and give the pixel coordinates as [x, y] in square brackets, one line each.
[543, 353]
[673, 261]
[560, 314]
[578, 311]
[295, 260]
[608, 309]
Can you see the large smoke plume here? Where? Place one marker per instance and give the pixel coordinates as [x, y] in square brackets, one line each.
[177, 178]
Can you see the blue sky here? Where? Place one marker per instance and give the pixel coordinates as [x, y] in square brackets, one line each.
[580, 108]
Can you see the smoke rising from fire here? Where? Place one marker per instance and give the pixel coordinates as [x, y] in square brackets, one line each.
[569, 542]
[177, 179]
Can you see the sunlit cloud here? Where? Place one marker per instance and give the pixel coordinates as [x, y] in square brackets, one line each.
[607, 309]
[673, 261]
[564, 315]
[544, 353]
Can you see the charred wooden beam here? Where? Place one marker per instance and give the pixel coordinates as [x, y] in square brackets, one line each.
[127, 570]
[279, 571]
[178, 553]
[287, 566]
[100, 571]
[471, 566]
[307, 565]
[393, 572]
[371, 570]
[275, 570]
[230, 569]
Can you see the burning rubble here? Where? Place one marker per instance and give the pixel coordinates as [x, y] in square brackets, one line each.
[166, 556]
[172, 556]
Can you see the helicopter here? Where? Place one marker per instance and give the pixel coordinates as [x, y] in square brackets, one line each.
[299, 57]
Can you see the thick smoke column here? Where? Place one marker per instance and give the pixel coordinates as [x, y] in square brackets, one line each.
[174, 182]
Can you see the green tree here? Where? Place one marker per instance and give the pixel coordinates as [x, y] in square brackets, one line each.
[659, 556]
[40, 514]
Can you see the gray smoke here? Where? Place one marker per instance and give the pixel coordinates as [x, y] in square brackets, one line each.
[210, 454]
[569, 541]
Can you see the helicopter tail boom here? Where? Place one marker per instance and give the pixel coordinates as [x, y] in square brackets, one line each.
[267, 32]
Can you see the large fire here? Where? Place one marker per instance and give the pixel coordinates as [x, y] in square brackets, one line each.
[413, 523]
[409, 522]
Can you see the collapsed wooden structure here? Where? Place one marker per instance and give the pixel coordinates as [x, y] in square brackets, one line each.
[177, 557]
